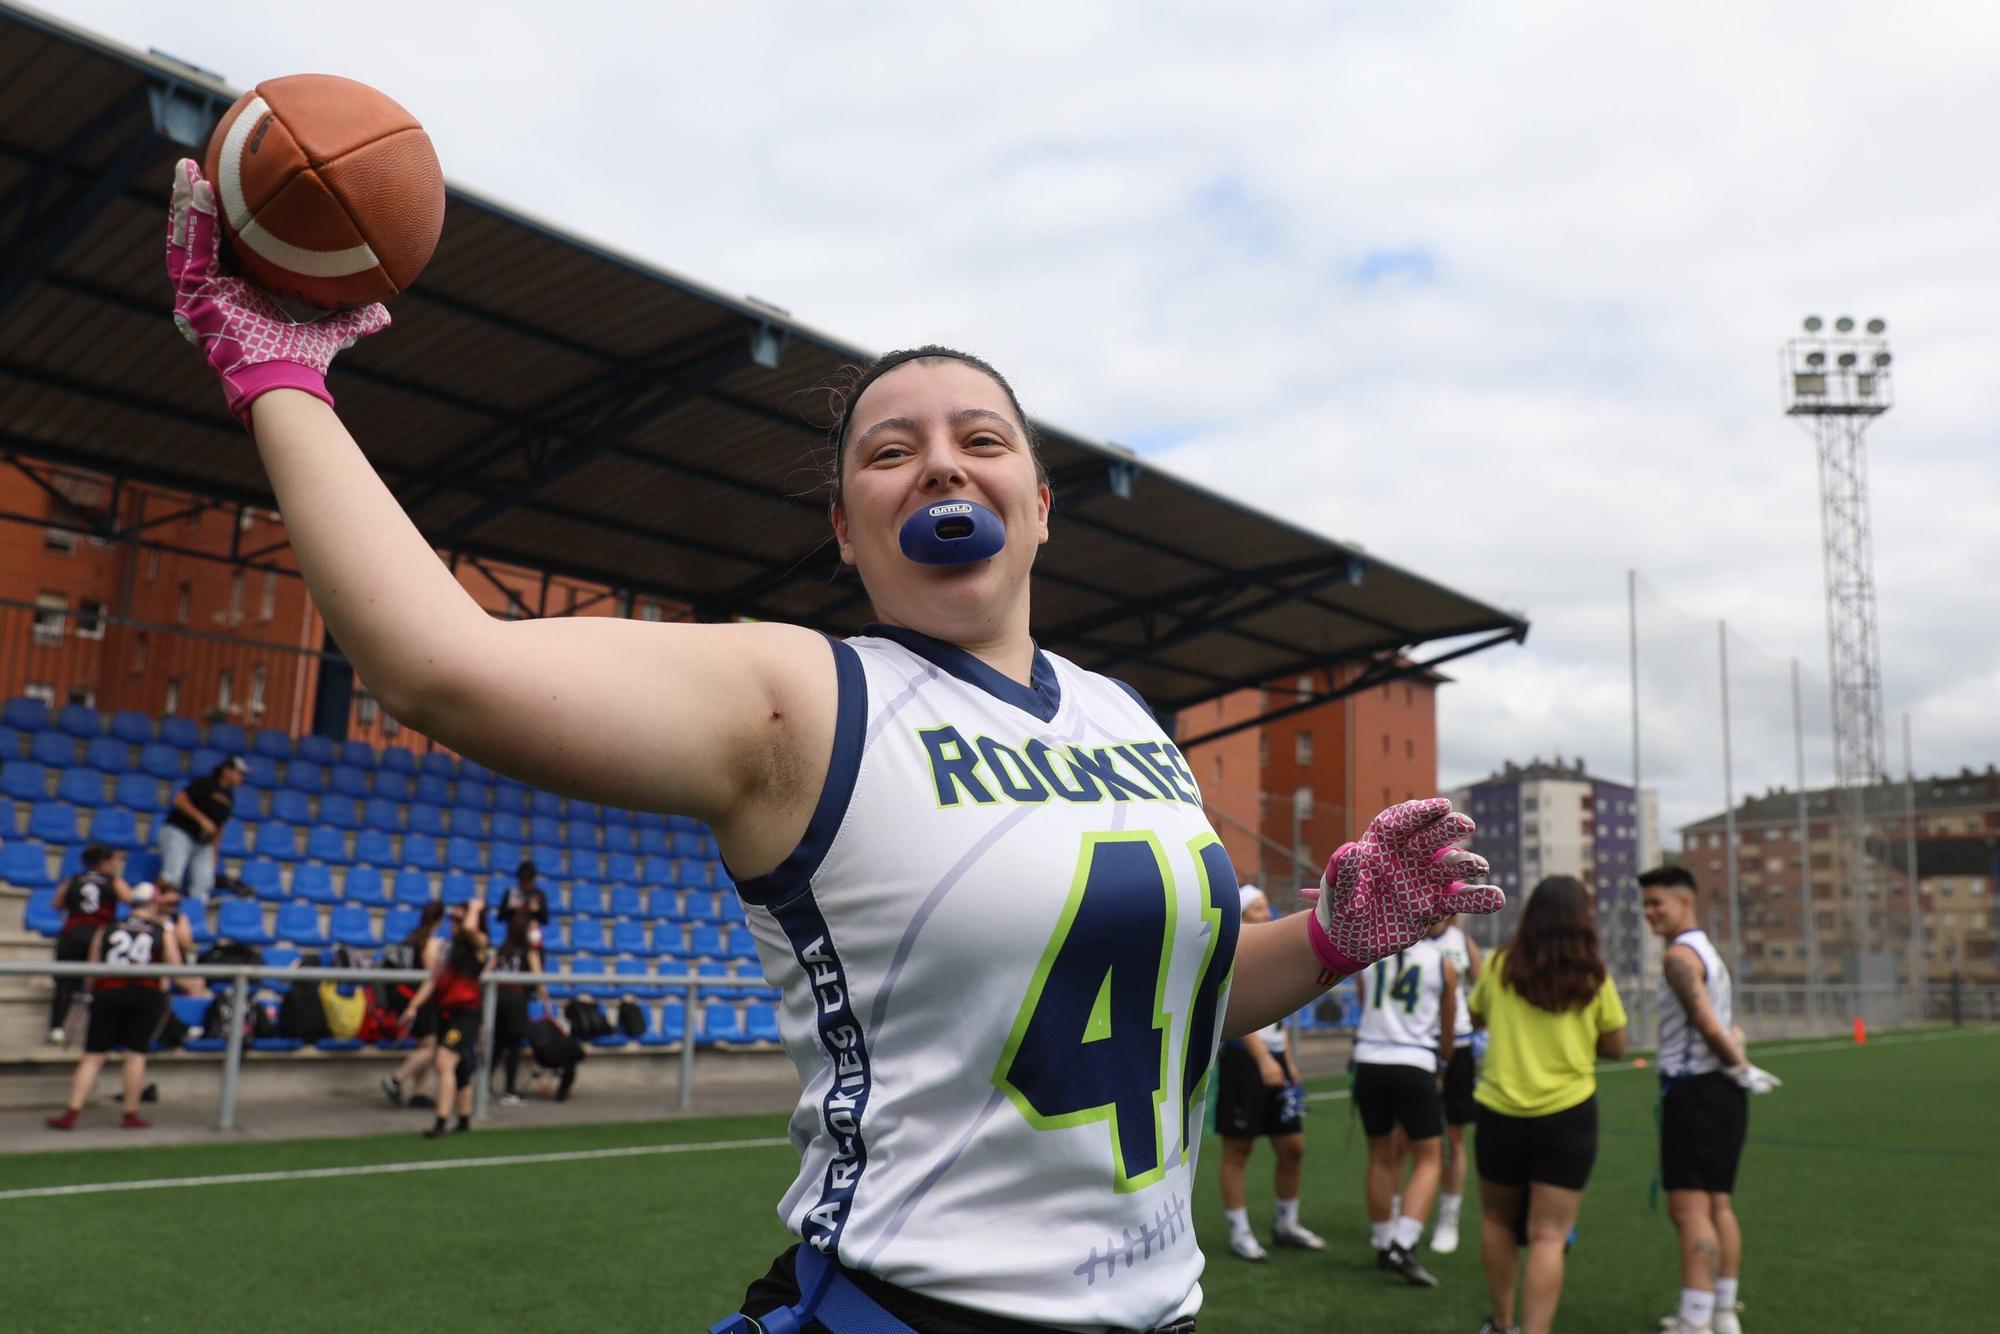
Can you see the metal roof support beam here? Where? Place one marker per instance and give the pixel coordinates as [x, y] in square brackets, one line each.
[1193, 626]
[94, 523]
[514, 599]
[1267, 576]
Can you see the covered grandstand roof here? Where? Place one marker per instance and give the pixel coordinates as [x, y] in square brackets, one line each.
[550, 403]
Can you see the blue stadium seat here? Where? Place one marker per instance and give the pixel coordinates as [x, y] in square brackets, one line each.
[621, 838]
[270, 743]
[413, 888]
[721, 1025]
[29, 715]
[53, 822]
[140, 792]
[364, 887]
[555, 937]
[714, 968]
[13, 743]
[42, 917]
[466, 824]
[108, 755]
[180, 732]
[510, 797]
[318, 749]
[163, 761]
[698, 906]
[549, 859]
[80, 720]
[357, 753]
[299, 923]
[587, 933]
[496, 931]
[340, 812]
[464, 855]
[760, 1022]
[276, 838]
[204, 760]
[653, 842]
[662, 902]
[630, 938]
[228, 737]
[198, 925]
[305, 777]
[433, 789]
[313, 882]
[235, 840]
[24, 865]
[400, 921]
[381, 813]
[586, 862]
[617, 815]
[242, 920]
[292, 806]
[729, 908]
[422, 852]
[439, 763]
[81, 787]
[349, 781]
[622, 868]
[427, 819]
[545, 829]
[508, 826]
[503, 857]
[391, 783]
[264, 877]
[587, 896]
[472, 795]
[542, 802]
[742, 945]
[131, 727]
[640, 969]
[190, 1010]
[581, 833]
[372, 846]
[114, 827]
[55, 749]
[397, 759]
[669, 939]
[350, 926]
[671, 1028]
[142, 865]
[458, 888]
[705, 941]
[657, 871]
[324, 843]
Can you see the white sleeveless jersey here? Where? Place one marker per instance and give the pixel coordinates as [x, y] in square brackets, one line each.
[1683, 1051]
[1005, 945]
[1454, 946]
[1401, 1000]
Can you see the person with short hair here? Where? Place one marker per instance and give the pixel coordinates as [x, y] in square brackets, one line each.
[1461, 1075]
[1705, 1085]
[1550, 1010]
[526, 893]
[455, 985]
[192, 827]
[88, 902]
[1258, 1094]
[1407, 1034]
[126, 1009]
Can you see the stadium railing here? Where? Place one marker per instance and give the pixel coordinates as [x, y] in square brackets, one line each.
[240, 976]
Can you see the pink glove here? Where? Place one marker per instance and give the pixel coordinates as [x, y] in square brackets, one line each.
[253, 345]
[1384, 893]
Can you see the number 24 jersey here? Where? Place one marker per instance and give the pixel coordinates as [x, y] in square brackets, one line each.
[1004, 945]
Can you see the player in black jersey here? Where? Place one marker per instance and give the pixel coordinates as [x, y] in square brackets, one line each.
[125, 1009]
[88, 902]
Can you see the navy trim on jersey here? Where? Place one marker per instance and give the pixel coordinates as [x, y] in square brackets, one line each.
[794, 874]
[1042, 698]
[846, 1050]
[1137, 698]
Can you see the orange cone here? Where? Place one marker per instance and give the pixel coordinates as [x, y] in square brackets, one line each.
[1860, 1031]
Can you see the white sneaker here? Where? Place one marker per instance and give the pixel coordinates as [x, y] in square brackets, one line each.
[1444, 1237]
[55, 1037]
[1244, 1246]
[1293, 1235]
[510, 1100]
[1673, 1324]
[1728, 1319]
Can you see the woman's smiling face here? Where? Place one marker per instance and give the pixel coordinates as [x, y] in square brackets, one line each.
[929, 430]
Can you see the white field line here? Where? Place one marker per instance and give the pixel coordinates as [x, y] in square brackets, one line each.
[1787, 1049]
[383, 1169]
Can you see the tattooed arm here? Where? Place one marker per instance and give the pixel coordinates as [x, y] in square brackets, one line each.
[1684, 975]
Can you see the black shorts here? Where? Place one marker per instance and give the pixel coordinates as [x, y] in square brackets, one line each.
[1388, 1096]
[1245, 1107]
[127, 1017]
[1703, 1122]
[1557, 1150]
[426, 1022]
[1459, 1078]
[458, 1030]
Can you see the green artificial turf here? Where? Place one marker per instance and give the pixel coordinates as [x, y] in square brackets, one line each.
[1866, 1199]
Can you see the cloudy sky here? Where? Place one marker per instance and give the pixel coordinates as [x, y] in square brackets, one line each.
[1493, 290]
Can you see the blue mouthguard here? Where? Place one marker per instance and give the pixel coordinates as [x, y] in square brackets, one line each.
[953, 532]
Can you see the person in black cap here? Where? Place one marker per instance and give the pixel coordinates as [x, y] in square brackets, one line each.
[187, 837]
[525, 896]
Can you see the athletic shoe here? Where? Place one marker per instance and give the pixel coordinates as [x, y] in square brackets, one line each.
[1444, 1237]
[392, 1089]
[1292, 1234]
[1673, 1324]
[1398, 1260]
[67, 1121]
[1727, 1319]
[55, 1037]
[134, 1121]
[1244, 1246]
[438, 1130]
[510, 1100]
[1490, 1328]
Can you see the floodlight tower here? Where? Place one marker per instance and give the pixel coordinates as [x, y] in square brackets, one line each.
[1835, 384]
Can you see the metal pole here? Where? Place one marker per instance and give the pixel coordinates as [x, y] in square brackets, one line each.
[1919, 967]
[489, 995]
[689, 1024]
[1729, 817]
[232, 1060]
[1809, 904]
[1642, 997]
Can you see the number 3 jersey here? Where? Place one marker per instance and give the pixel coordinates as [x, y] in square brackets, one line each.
[1004, 944]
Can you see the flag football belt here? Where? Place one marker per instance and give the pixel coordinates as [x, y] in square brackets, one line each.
[830, 1297]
